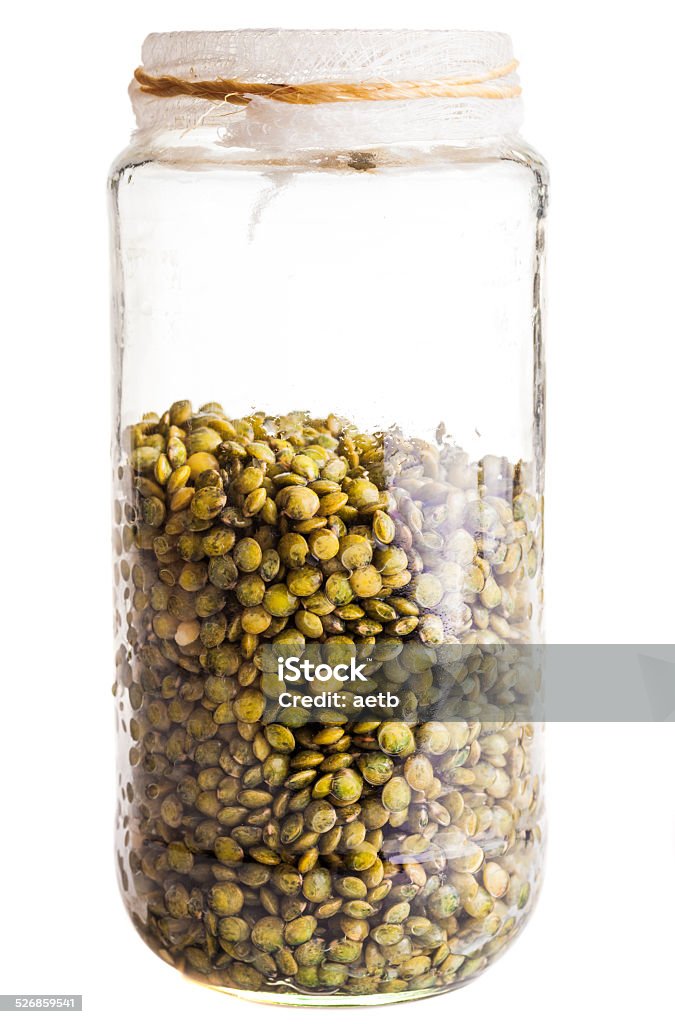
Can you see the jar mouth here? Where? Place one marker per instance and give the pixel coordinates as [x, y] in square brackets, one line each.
[309, 88]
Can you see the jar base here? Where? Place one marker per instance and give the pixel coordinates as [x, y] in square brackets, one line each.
[308, 1000]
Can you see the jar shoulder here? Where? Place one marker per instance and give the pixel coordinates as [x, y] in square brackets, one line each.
[204, 152]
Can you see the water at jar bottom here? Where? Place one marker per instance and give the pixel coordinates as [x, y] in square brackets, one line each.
[321, 859]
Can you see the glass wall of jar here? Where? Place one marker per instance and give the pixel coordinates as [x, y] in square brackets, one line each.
[327, 440]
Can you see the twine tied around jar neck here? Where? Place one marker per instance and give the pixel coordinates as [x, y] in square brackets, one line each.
[483, 85]
[281, 90]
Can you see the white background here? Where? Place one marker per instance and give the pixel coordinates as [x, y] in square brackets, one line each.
[597, 83]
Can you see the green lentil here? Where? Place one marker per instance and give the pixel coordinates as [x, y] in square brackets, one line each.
[337, 856]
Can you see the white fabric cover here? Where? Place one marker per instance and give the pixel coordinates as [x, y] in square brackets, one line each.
[281, 55]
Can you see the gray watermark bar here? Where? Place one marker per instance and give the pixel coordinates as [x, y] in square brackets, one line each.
[333, 683]
[37, 1001]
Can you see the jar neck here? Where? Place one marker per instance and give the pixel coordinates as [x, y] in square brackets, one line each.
[425, 87]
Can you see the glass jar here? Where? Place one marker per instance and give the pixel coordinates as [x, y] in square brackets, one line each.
[330, 297]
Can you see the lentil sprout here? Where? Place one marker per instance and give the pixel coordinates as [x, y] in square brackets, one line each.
[342, 857]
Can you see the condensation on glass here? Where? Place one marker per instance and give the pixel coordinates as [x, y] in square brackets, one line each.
[328, 442]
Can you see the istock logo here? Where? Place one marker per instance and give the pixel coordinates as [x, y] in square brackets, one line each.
[291, 670]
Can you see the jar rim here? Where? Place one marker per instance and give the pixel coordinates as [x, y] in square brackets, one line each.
[302, 55]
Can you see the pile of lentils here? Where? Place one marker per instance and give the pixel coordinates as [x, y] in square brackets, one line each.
[298, 856]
